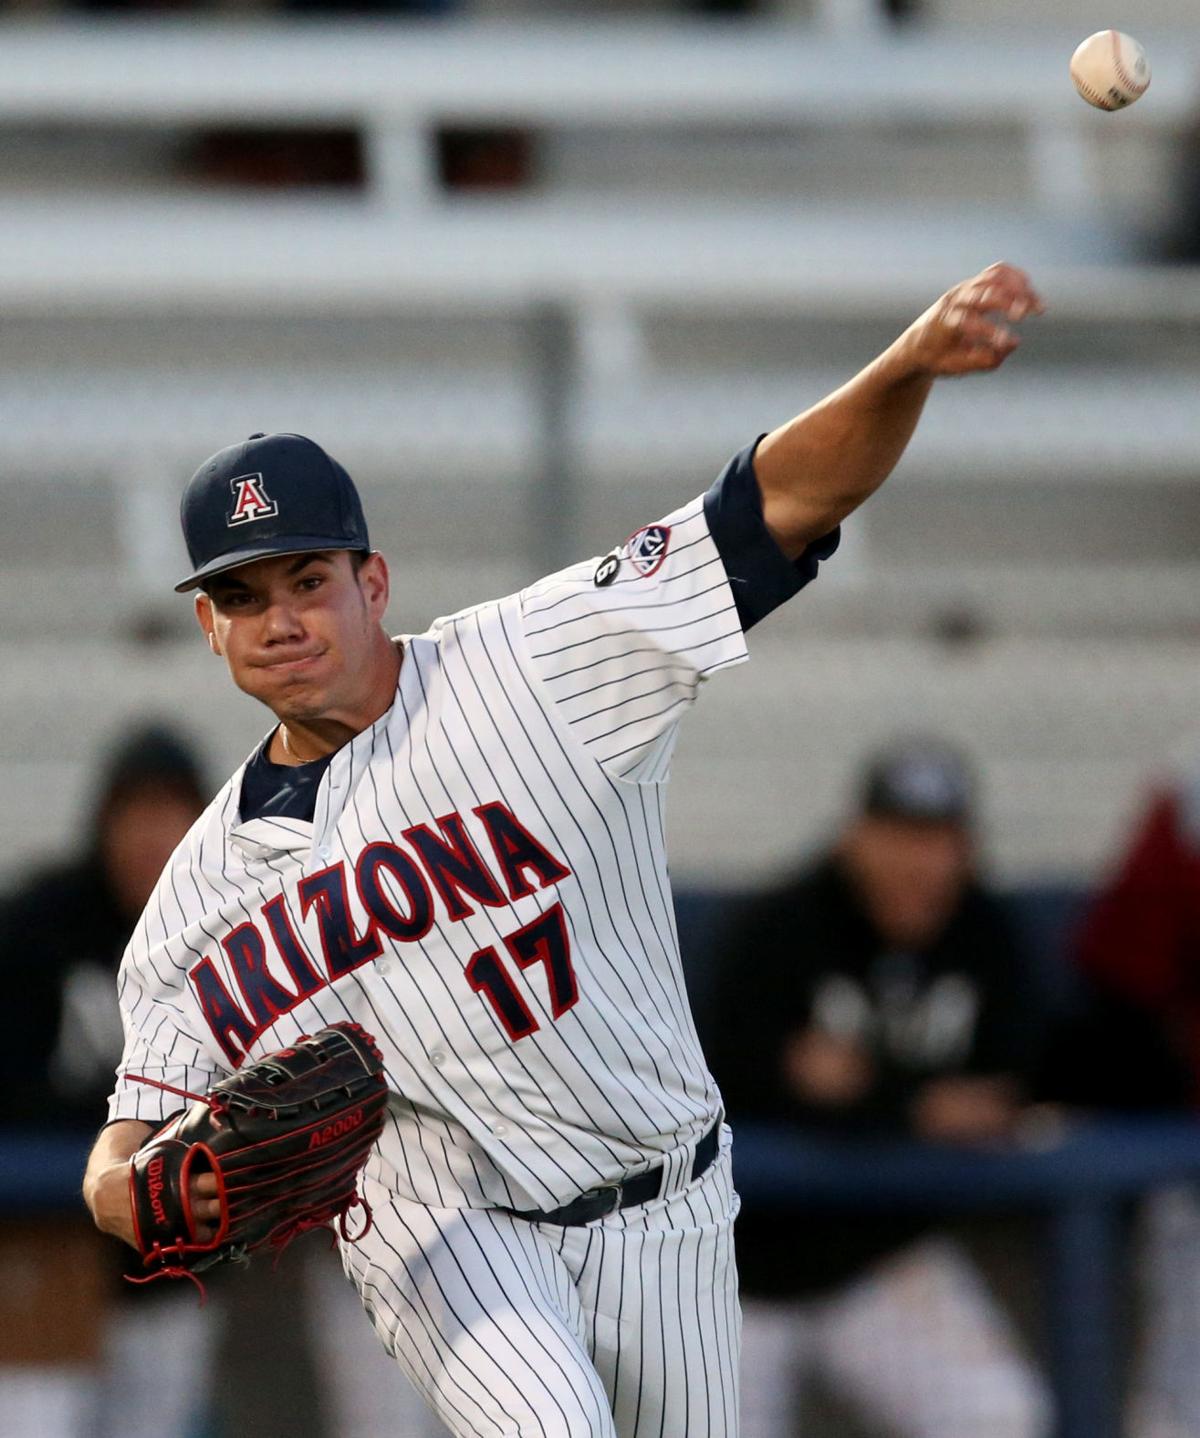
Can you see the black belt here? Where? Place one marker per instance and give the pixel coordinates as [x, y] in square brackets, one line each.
[611, 1199]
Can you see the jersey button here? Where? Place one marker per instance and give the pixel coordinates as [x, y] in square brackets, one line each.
[437, 1058]
[499, 1129]
[323, 855]
[384, 966]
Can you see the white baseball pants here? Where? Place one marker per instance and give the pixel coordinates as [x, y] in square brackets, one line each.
[623, 1328]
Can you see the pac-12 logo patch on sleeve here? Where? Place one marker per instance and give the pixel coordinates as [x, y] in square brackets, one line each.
[250, 500]
[648, 548]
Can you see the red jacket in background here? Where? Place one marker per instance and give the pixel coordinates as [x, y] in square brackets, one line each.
[1140, 941]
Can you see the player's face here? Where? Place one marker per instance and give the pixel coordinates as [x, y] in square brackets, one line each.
[301, 632]
[910, 874]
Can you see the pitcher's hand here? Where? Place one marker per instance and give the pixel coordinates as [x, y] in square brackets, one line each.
[971, 327]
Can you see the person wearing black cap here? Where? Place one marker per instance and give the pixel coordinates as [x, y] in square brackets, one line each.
[454, 840]
[63, 929]
[878, 993]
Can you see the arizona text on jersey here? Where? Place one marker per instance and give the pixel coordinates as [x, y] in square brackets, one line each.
[511, 944]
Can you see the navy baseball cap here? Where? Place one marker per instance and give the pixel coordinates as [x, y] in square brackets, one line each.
[921, 779]
[272, 494]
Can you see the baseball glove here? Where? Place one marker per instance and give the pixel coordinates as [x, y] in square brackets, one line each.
[285, 1137]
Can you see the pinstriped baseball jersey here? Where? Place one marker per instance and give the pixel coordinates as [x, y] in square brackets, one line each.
[479, 879]
[483, 887]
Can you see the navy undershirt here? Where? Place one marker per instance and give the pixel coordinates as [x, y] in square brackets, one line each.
[761, 578]
[281, 791]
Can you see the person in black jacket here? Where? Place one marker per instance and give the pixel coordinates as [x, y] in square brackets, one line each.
[64, 927]
[879, 993]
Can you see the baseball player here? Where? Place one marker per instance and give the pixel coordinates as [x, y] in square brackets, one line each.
[455, 839]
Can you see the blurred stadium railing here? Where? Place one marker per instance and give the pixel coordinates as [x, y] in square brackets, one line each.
[1072, 1189]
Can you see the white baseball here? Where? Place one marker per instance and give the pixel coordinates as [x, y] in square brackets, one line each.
[1110, 70]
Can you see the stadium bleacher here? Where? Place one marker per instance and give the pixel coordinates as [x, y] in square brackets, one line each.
[692, 258]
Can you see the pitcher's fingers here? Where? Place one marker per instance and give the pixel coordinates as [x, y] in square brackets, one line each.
[1012, 286]
[1018, 304]
[977, 330]
[206, 1207]
[981, 357]
[1018, 294]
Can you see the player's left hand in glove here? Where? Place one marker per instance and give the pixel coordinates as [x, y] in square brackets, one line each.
[284, 1140]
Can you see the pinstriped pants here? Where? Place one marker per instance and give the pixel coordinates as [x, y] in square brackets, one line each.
[623, 1328]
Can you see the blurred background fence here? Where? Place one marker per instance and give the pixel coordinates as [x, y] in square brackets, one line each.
[532, 272]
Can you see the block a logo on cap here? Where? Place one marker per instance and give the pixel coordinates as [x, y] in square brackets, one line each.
[250, 500]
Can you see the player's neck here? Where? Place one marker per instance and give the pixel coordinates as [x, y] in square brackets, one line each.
[300, 741]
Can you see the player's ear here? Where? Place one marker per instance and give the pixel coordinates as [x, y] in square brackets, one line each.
[204, 617]
[375, 584]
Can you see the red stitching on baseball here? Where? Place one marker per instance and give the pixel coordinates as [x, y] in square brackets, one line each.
[1101, 101]
[1122, 74]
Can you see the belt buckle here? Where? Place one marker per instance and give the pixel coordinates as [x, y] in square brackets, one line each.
[614, 1191]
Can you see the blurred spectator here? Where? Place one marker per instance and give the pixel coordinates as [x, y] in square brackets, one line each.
[135, 1364]
[62, 933]
[1140, 942]
[1139, 948]
[879, 993]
